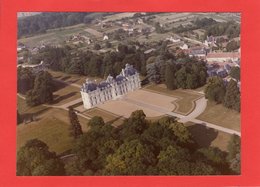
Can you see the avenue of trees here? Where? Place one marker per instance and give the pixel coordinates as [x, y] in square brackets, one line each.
[229, 95]
[138, 147]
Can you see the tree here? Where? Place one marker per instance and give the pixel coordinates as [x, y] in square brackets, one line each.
[170, 80]
[25, 80]
[75, 125]
[97, 46]
[174, 161]
[235, 73]
[108, 44]
[42, 90]
[132, 158]
[234, 153]
[181, 77]
[215, 89]
[34, 158]
[232, 45]
[232, 96]
[96, 121]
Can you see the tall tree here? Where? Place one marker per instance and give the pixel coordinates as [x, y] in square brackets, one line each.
[42, 90]
[75, 125]
[232, 96]
[132, 158]
[215, 89]
[170, 80]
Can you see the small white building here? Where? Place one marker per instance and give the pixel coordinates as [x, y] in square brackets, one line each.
[93, 94]
[105, 37]
[184, 46]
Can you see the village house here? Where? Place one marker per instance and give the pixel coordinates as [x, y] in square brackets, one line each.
[112, 88]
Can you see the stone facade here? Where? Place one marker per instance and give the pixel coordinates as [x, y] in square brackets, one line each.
[112, 88]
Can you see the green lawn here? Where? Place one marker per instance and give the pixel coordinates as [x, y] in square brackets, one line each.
[207, 137]
[220, 115]
[185, 101]
[52, 127]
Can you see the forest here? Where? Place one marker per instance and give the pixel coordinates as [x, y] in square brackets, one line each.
[138, 147]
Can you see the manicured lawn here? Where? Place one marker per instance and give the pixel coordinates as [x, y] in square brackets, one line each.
[106, 115]
[222, 116]
[52, 127]
[185, 97]
[207, 137]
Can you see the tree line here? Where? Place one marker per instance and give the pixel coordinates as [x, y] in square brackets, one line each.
[138, 147]
[40, 23]
[212, 27]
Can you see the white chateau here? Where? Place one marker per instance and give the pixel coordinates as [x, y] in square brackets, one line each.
[94, 94]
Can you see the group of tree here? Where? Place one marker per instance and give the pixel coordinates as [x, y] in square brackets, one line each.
[35, 159]
[226, 93]
[177, 71]
[233, 45]
[196, 24]
[88, 63]
[74, 123]
[40, 23]
[235, 73]
[141, 147]
[230, 28]
[42, 90]
[137, 147]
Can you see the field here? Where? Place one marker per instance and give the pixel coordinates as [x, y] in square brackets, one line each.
[52, 127]
[54, 36]
[222, 116]
[118, 16]
[185, 101]
[207, 137]
[107, 116]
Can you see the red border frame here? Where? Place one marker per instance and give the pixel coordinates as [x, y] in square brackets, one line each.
[250, 28]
